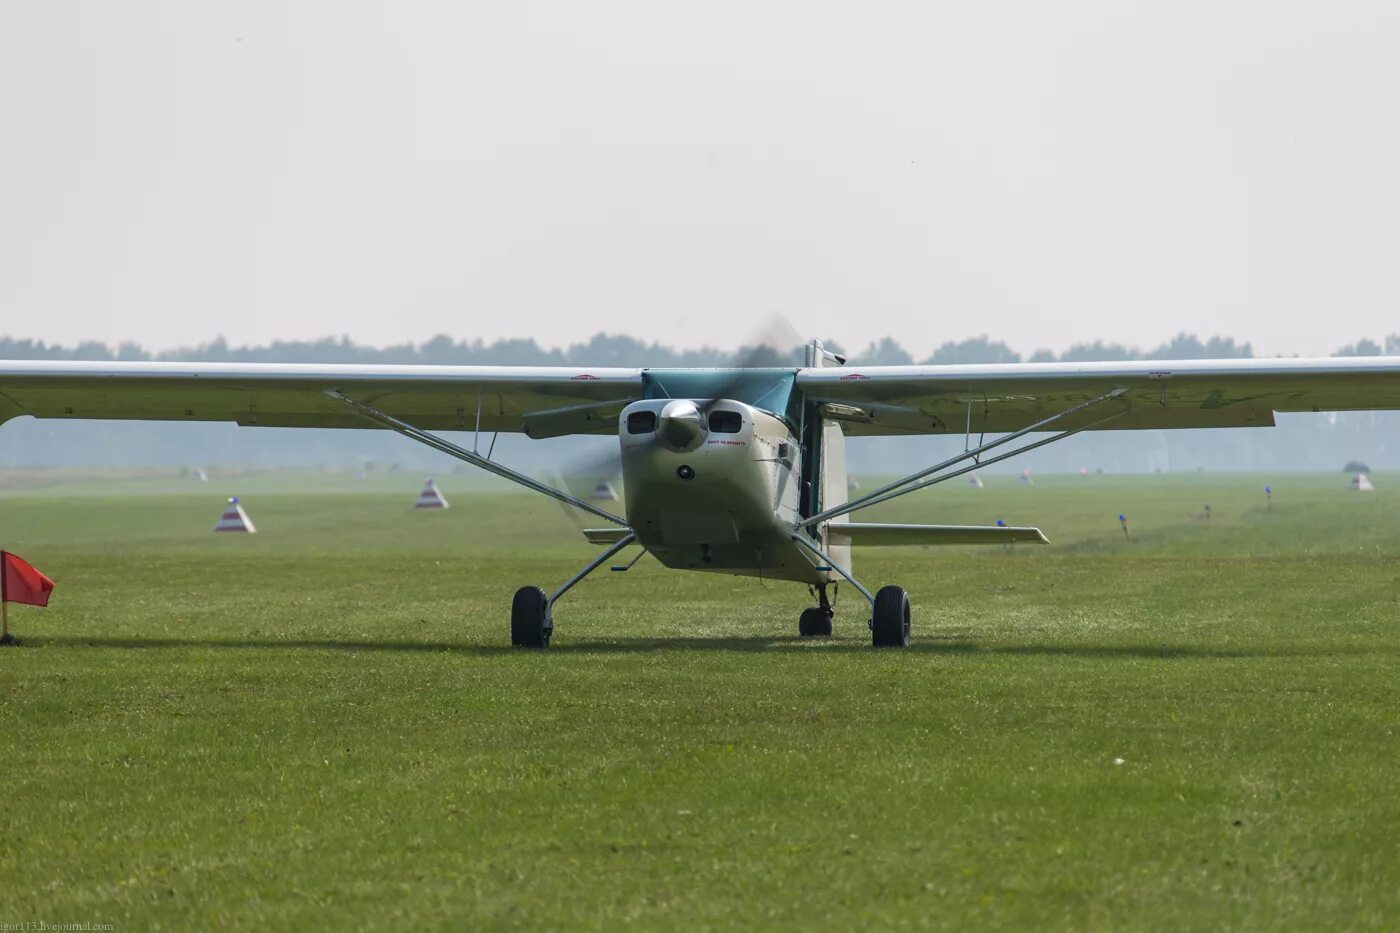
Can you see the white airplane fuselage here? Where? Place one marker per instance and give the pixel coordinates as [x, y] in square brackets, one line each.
[717, 486]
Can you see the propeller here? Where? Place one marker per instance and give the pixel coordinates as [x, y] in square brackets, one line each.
[777, 344]
[584, 473]
[684, 423]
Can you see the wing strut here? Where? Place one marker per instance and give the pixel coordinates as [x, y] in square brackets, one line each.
[432, 440]
[911, 482]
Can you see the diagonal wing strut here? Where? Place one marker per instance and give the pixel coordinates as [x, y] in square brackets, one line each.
[910, 483]
[369, 413]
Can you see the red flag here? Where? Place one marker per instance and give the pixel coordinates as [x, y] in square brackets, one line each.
[21, 583]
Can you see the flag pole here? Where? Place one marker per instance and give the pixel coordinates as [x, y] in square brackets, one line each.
[5, 638]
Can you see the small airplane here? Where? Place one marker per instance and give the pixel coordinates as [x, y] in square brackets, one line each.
[737, 471]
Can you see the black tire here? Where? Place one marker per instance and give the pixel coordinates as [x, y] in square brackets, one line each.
[814, 622]
[529, 618]
[889, 625]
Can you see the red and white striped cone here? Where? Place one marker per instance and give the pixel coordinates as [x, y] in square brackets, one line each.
[431, 497]
[235, 519]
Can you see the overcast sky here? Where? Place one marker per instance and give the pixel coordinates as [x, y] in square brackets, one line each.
[1045, 173]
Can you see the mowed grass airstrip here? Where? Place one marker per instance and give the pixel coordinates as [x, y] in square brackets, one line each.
[324, 722]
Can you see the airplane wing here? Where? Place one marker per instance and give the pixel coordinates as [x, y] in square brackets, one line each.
[539, 401]
[1159, 394]
[553, 401]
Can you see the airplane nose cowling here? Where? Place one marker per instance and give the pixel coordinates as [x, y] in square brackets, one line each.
[681, 426]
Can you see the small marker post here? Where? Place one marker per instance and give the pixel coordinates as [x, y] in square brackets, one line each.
[1123, 520]
[1269, 498]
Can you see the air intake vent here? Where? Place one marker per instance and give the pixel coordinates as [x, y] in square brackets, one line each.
[726, 422]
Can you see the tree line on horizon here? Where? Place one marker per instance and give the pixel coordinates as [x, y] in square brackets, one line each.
[622, 350]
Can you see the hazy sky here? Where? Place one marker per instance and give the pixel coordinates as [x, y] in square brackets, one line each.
[1046, 173]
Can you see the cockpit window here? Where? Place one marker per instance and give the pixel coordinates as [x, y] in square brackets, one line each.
[726, 422]
[641, 422]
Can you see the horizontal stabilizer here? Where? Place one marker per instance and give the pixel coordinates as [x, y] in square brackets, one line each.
[606, 535]
[865, 533]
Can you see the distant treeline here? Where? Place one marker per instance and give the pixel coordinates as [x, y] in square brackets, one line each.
[620, 350]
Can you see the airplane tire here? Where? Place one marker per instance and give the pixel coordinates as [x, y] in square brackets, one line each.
[889, 624]
[814, 622]
[529, 614]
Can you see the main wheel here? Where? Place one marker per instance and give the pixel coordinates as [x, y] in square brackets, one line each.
[529, 618]
[814, 621]
[889, 624]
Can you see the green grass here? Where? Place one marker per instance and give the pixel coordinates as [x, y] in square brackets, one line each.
[322, 724]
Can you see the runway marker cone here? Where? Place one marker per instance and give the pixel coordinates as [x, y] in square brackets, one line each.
[235, 519]
[431, 497]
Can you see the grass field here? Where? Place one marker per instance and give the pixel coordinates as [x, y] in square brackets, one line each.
[323, 723]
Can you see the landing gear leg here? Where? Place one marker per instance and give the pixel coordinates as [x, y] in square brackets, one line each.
[802, 540]
[532, 612]
[816, 621]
